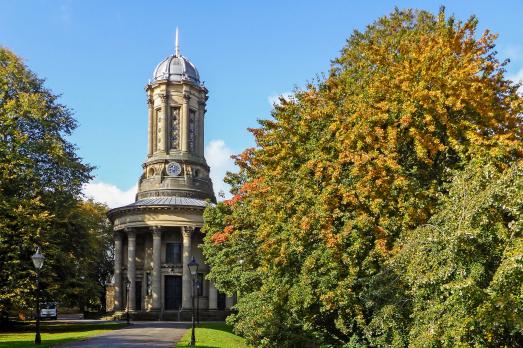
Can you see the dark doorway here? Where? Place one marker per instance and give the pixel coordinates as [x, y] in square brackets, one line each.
[221, 300]
[138, 295]
[173, 292]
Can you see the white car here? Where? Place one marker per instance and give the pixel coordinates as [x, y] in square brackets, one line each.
[48, 310]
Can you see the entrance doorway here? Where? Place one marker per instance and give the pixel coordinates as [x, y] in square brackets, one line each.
[221, 300]
[173, 292]
[138, 295]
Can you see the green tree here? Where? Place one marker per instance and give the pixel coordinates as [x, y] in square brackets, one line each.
[464, 268]
[40, 182]
[348, 166]
[84, 259]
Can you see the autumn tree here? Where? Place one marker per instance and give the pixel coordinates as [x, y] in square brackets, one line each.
[345, 168]
[41, 177]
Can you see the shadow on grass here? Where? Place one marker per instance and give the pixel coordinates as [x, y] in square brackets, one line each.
[45, 343]
[55, 334]
[54, 327]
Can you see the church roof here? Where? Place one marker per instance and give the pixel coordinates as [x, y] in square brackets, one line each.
[168, 201]
[162, 202]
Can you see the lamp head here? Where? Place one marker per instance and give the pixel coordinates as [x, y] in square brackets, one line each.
[193, 266]
[38, 259]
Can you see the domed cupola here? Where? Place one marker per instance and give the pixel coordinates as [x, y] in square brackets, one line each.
[176, 68]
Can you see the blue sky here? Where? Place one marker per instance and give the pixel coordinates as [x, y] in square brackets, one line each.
[100, 54]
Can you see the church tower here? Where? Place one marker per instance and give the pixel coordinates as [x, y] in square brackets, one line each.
[157, 236]
[175, 164]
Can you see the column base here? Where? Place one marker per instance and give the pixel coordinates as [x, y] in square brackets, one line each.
[184, 315]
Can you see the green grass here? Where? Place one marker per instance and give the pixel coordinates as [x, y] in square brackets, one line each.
[21, 336]
[215, 335]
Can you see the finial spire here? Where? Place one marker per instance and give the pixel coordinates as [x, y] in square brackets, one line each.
[177, 52]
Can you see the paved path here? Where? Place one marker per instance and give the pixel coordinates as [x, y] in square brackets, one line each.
[138, 334]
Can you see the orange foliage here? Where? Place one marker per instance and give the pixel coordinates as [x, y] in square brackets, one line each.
[235, 199]
[221, 237]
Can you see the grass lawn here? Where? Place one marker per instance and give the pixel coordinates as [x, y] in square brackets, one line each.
[52, 333]
[215, 335]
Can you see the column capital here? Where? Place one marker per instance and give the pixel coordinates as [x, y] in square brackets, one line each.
[117, 236]
[186, 97]
[150, 101]
[187, 231]
[156, 231]
[164, 96]
[131, 233]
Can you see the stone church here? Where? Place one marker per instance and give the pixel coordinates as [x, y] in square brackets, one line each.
[157, 236]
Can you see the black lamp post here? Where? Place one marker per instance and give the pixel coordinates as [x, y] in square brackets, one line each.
[38, 261]
[193, 268]
[198, 300]
[127, 286]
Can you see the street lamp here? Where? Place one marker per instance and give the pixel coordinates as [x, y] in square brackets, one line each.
[38, 261]
[127, 286]
[198, 300]
[193, 269]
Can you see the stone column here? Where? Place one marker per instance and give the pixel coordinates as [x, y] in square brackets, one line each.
[186, 274]
[164, 134]
[213, 296]
[157, 280]
[184, 125]
[117, 271]
[150, 128]
[229, 302]
[131, 267]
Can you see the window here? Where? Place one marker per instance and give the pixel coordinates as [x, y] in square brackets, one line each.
[175, 127]
[199, 284]
[173, 253]
[221, 300]
[149, 283]
[192, 120]
[158, 129]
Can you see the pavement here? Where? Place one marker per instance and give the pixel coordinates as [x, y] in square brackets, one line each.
[138, 334]
[72, 316]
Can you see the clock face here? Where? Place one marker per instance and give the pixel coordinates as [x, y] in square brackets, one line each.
[174, 169]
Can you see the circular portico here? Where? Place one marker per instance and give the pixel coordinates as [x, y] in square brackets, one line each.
[161, 211]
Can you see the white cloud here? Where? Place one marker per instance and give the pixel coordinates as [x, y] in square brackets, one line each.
[109, 194]
[518, 78]
[512, 52]
[218, 157]
[275, 98]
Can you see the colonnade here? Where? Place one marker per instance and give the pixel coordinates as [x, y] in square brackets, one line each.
[156, 287]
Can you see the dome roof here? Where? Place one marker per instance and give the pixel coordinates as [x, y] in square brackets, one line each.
[176, 68]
